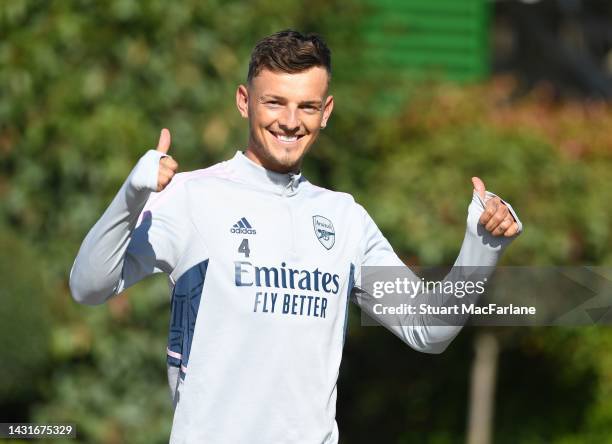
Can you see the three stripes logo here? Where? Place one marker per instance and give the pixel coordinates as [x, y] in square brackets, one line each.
[242, 227]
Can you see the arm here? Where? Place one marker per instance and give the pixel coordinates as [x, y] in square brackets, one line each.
[115, 254]
[479, 253]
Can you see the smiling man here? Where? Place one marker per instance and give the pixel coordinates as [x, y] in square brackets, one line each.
[262, 263]
[285, 100]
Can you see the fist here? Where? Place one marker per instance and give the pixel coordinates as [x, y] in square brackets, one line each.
[496, 217]
[167, 165]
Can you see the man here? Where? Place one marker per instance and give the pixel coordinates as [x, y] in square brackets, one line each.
[262, 262]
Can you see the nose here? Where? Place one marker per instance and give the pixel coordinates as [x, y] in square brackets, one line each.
[289, 120]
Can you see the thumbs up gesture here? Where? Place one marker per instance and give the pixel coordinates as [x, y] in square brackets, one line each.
[167, 165]
[496, 217]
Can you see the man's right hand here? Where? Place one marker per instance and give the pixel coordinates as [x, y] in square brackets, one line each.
[167, 165]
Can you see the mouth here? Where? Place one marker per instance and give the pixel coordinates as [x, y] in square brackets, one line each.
[286, 139]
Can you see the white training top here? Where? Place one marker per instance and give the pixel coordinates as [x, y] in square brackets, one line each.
[263, 265]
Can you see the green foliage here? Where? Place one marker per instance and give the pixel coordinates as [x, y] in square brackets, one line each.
[25, 326]
[110, 378]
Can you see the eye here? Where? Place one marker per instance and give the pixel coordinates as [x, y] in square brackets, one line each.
[273, 103]
[310, 108]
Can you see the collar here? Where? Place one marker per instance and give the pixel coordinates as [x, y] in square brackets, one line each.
[283, 184]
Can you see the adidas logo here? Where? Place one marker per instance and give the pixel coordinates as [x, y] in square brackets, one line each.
[242, 227]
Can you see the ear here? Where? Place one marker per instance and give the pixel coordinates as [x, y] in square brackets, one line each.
[242, 101]
[327, 110]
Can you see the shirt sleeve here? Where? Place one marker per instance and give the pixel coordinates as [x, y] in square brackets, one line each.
[479, 254]
[141, 232]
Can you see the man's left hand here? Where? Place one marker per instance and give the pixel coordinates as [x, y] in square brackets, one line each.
[496, 217]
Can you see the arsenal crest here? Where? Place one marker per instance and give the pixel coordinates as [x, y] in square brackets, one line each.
[324, 230]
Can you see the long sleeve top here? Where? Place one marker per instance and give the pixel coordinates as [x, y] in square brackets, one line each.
[262, 267]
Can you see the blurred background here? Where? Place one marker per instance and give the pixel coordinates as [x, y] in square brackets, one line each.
[428, 94]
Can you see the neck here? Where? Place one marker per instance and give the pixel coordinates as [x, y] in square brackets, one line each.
[252, 156]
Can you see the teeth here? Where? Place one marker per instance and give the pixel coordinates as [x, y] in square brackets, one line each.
[286, 138]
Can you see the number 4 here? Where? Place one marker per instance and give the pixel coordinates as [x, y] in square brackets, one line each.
[244, 248]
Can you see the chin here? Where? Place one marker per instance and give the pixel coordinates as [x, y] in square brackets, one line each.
[283, 159]
[286, 164]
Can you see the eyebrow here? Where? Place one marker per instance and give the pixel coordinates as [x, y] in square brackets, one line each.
[283, 99]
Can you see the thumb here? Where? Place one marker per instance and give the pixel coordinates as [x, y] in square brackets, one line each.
[479, 187]
[164, 141]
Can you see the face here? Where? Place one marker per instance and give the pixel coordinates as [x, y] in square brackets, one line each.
[286, 113]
